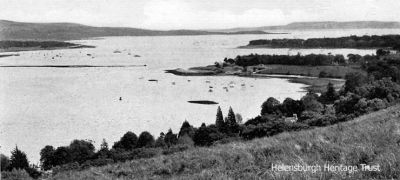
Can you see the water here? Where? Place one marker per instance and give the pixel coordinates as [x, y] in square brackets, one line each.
[53, 106]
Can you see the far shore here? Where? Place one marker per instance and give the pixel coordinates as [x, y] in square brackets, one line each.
[17, 46]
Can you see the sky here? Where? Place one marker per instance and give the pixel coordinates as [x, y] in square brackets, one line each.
[196, 14]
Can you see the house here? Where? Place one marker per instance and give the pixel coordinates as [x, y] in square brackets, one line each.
[291, 119]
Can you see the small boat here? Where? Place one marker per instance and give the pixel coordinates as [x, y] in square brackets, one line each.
[153, 80]
[173, 83]
[210, 90]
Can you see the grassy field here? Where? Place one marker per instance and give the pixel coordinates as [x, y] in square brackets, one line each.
[372, 139]
[318, 85]
[314, 71]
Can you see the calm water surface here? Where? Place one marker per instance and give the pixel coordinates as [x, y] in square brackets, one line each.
[53, 106]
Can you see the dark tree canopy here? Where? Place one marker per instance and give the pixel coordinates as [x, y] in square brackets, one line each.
[4, 162]
[127, 142]
[160, 142]
[290, 107]
[206, 136]
[145, 140]
[47, 157]
[230, 121]
[270, 106]
[62, 155]
[170, 138]
[219, 122]
[18, 159]
[330, 95]
[186, 129]
[81, 150]
[354, 80]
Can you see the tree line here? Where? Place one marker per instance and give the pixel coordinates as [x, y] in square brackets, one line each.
[306, 60]
[374, 41]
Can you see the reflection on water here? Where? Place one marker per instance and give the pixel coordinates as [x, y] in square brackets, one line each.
[48, 105]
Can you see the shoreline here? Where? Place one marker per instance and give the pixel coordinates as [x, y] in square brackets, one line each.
[18, 49]
[275, 47]
[312, 83]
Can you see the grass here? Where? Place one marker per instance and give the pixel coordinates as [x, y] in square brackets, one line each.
[371, 139]
[314, 71]
[318, 85]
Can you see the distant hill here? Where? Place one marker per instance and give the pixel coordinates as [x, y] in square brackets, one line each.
[322, 25]
[10, 30]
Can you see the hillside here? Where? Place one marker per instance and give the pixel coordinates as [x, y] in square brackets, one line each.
[10, 30]
[372, 139]
[322, 25]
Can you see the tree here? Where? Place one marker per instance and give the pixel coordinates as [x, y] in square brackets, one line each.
[230, 121]
[330, 95]
[62, 155]
[310, 103]
[160, 141]
[145, 140]
[239, 118]
[186, 129]
[270, 106]
[381, 52]
[354, 80]
[219, 122]
[291, 106]
[81, 150]
[170, 138]
[104, 145]
[206, 136]
[18, 159]
[4, 162]
[47, 157]
[185, 140]
[103, 151]
[127, 142]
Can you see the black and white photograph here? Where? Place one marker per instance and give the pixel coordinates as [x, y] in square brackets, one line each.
[191, 89]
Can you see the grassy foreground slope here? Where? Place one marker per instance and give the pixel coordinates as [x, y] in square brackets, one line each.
[370, 139]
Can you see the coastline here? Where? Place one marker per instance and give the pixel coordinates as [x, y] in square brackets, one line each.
[18, 49]
[313, 83]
